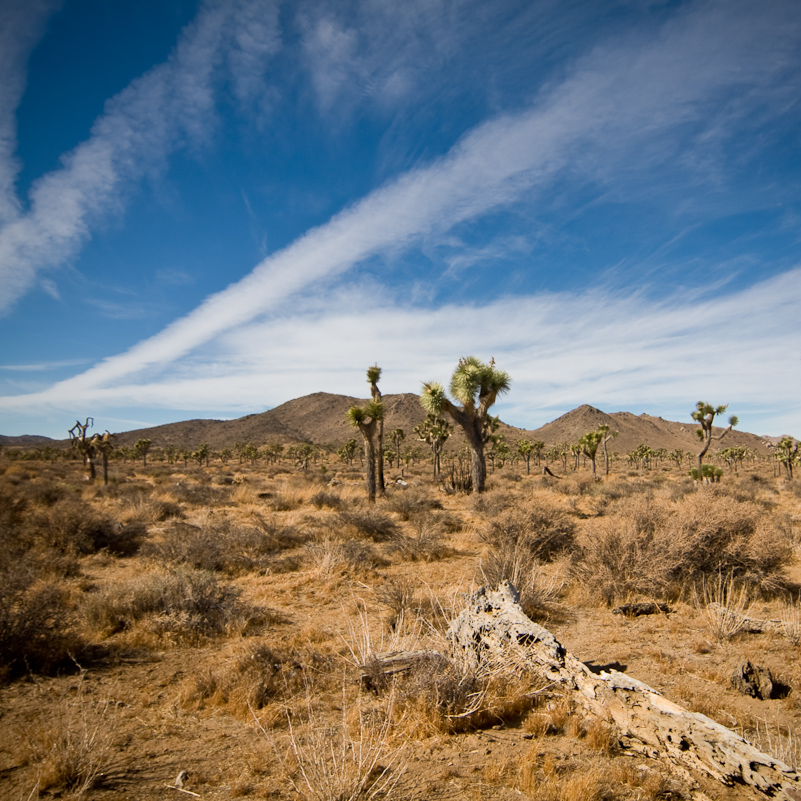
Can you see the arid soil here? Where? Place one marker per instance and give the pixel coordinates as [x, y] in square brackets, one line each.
[216, 620]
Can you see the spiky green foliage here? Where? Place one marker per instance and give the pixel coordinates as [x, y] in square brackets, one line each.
[787, 454]
[367, 419]
[373, 374]
[476, 386]
[433, 397]
[705, 415]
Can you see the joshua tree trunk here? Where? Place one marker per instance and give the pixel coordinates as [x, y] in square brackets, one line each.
[368, 431]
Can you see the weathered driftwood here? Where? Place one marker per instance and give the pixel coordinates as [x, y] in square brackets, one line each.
[647, 722]
[393, 662]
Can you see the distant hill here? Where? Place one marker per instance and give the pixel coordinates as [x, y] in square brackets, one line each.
[27, 441]
[634, 430]
[320, 418]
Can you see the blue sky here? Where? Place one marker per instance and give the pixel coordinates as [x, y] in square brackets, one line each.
[209, 208]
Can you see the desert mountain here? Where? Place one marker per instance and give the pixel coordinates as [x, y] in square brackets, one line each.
[320, 418]
[634, 430]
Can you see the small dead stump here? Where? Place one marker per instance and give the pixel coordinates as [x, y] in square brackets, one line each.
[642, 608]
[753, 680]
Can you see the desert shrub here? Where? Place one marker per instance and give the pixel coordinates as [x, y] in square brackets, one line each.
[37, 628]
[144, 508]
[185, 603]
[491, 504]
[411, 502]
[218, 545]
[74, 751]
[437, 695]
[329, 557]
[574, 485]
[399, 597]
[72, 527]
[542, 530]
[200, 494]
[711, 533]
[656, 548]
[423, 540]
[255, 677]
[323, 498]
[369, 523]
[45, 492]
[513, 562]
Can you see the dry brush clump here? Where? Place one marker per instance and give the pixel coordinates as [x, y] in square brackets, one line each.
[222, 545]
[38, 627]
[519, 541]
[352, 757]
[657, 548]
[74, 750]
[182, 604]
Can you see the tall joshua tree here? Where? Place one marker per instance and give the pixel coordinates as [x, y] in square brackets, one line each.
[705, 415]
[373, 374]
[366, 419]
[592, 440]
[476, 387]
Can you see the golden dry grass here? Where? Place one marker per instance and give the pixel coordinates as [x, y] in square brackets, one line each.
[216, 597]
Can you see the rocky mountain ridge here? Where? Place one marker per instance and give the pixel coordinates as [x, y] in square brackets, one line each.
[320, 418]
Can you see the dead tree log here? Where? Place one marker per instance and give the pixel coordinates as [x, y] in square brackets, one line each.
[647, 722]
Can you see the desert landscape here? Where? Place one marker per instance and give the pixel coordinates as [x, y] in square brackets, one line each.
[220, 623]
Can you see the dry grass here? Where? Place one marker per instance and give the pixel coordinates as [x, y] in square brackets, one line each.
[350, 759]
[658, 548]
[324, 582]
[725, 605]
[183, 605]
[74, 751]
[37, 626]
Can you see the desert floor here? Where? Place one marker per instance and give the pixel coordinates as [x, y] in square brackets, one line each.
[214, 620]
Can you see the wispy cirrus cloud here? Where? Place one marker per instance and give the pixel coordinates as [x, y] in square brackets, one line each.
[563, 349]
[22, 23]
[606, 109]
[629, 104]
[170, 106]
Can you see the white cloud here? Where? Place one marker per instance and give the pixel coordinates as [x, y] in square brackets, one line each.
[169, 106]
[22, 23]
[602, 109]
[612, 107]
[561, 350]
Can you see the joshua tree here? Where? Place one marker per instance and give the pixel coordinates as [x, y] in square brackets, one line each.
[348, 451]
[104, 446]
[86, 447]
[604, 429]
[141, 448]
[476, 386]
[366, 419]
[705, 415]
[525, 449]
[202, 454]
[397, 436]
[589, 444]
[786, 454]
[373, 374]
[435, 431]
